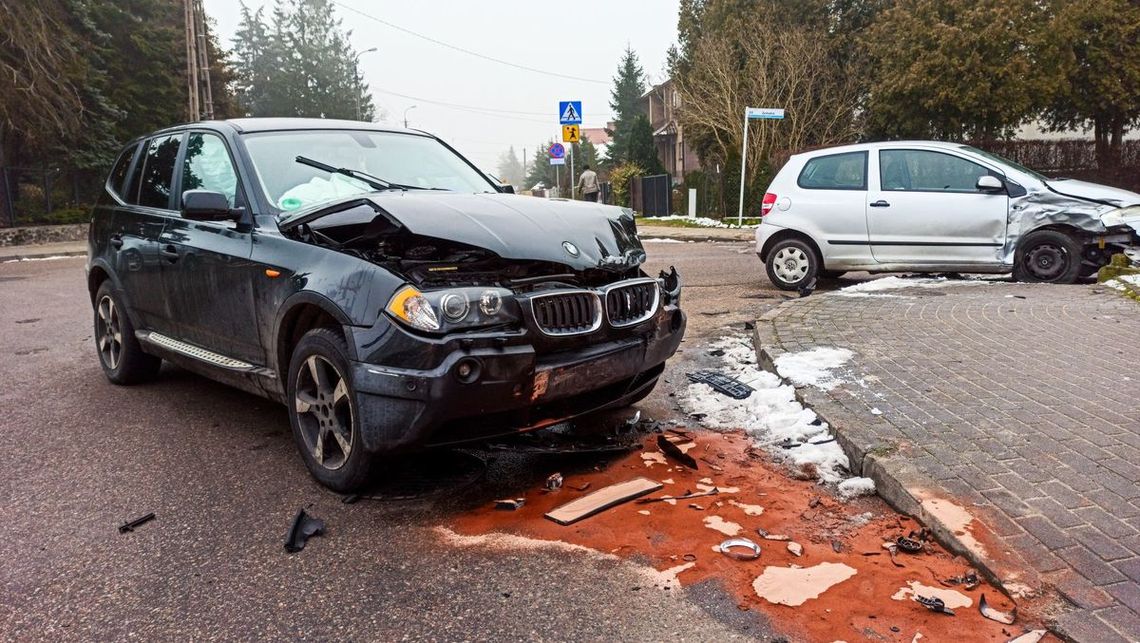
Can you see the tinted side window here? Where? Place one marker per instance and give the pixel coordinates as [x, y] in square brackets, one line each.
[208, 166]
[923, 171]
[157, 171]
[117, 181]
[847, 171]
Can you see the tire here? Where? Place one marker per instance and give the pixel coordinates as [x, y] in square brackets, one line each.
[791, 264]
[120, 354]
[1047, 256]
[831, 274]
[323, 412]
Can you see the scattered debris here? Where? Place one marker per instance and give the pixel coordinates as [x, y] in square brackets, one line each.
[1032, 636]
[673, 451]
[693, 505]
[689, 557]
[654, 457]
[949, 597]
[350, 499]
[582, 487]
[137, 522]
[714, 313]
[749, 326]
[837, 546]
[722, 383]
[875, 411]
[1006, 618]
[740, 549]
[510, 504]
[644, 512]
[726, 527]
[808, 288]
[814, 502]
[768, 536]
[634, 419]
[602, 499]
[688, 496]
[969, 580]
[893, 549]
[934, 604]
[795, 585]
[554, 482]
[796, 549]
[909, 545]
[303, 528]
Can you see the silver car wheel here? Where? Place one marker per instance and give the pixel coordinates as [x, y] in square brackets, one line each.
[324, 412]
[791, 264]
[109, 333]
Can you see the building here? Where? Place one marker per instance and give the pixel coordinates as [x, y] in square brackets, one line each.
[599, 137]
[660, 104]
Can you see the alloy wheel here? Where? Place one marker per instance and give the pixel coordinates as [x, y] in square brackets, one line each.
[109, 333]
[790, 264]
[324, 412]
[1046, 261]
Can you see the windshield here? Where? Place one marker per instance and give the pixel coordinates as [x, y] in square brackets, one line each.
[1005, 161]
[417, 162]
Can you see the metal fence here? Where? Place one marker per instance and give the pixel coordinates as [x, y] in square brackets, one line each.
[651, 196]
[39, 196]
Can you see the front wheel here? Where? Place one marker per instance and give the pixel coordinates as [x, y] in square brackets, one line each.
[791, 264]
[323, 412]
[1047, 256]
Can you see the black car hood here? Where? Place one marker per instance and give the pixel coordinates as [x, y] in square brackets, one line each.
[511, 226]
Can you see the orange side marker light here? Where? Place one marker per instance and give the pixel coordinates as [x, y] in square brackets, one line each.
[271, 273]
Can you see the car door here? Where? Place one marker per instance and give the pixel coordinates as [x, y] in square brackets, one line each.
[925, 207]
[832, 202]
[137, 224]
[207, 270]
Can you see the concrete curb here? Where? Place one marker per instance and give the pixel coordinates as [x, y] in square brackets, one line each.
[18, 255]
[904, 488]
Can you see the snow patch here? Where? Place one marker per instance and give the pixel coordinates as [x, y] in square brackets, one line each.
[813, 367]
[702, 222]
[51, 258]
[894, 283]
[855, 487]
[655, 240]
[794, 586]
[771, 415]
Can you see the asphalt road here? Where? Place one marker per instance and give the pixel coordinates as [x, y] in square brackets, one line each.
[220, 471]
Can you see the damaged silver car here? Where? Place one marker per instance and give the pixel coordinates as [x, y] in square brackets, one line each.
[928, 206]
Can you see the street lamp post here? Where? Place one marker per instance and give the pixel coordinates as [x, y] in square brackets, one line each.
[406, 115]
[356, 76]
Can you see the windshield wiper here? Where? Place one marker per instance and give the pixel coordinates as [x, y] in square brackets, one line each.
[373, 181]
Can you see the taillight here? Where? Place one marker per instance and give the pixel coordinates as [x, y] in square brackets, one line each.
[767, 204]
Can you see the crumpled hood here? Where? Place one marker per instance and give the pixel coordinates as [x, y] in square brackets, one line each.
[1095, 192]
[520, 227]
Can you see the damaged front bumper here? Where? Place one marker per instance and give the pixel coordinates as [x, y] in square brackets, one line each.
[471, 386]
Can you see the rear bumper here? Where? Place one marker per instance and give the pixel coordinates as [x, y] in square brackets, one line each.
[514, 387]
[764, 232]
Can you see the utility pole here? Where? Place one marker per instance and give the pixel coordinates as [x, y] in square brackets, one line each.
[200, 94]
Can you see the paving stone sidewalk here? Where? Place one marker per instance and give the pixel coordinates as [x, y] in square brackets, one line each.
[1022, 400]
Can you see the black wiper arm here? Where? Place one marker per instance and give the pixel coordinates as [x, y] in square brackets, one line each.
[375, 182]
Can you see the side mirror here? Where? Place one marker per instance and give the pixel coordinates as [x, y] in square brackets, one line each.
[204, 205]
[507, 189]
[990, 184]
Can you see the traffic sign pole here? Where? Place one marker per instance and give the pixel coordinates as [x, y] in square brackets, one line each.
[750, 113]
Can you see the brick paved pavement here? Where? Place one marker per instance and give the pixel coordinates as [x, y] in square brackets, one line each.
[1021, 399]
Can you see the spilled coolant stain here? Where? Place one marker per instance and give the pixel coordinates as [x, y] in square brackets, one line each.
[794, 586]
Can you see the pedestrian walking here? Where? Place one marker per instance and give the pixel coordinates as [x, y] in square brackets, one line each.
[588, 184]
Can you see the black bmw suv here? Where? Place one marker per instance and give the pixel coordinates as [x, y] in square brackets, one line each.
[390, 294]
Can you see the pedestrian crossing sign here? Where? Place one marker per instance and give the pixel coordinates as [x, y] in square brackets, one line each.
[570, 112]
[571, 133]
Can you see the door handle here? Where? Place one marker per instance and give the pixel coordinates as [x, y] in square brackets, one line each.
[116, 241]
[169, 252]
[880, 204]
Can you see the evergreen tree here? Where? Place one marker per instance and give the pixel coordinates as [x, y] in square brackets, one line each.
[299, 63]
[510, 168]
[642, 151]
[625, 101]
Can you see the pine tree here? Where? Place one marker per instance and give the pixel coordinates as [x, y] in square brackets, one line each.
[625, 101]
[510, 168]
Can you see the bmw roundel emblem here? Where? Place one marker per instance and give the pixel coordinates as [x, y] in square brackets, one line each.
[570, 248]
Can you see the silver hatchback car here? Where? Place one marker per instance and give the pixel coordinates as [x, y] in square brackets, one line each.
[926, 206]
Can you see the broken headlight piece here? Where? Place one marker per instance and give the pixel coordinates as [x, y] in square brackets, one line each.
[453, 309]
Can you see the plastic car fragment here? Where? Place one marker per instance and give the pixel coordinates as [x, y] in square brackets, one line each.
[988, 611]
[722, 383]
[934, 604]
[304, 527]
[740, 549]
[137, 522]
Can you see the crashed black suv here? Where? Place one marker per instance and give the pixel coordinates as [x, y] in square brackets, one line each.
[374, 281]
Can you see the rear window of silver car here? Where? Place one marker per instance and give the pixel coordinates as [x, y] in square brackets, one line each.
[846, 171]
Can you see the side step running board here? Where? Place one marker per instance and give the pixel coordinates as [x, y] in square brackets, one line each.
[196, 352]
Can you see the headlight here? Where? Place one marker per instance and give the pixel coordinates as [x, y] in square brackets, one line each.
[453, 309]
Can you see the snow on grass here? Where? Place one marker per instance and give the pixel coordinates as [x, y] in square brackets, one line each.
[1124, 282]
[656, 240]
[771, 415]
[700, 222]
[814, 367]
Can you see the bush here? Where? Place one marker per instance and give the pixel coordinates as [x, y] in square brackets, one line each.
[620, 177]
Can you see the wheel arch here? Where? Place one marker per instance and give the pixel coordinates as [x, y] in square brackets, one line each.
[95, 278]
[788, 233]
[301, 313]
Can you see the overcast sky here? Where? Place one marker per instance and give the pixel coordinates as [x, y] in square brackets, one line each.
[584, 39]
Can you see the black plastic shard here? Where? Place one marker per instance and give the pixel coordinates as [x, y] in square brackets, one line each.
[132, 525]
[304, 527]
[673, 451]
[989, 612]
[722, 383]
[934, 605]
